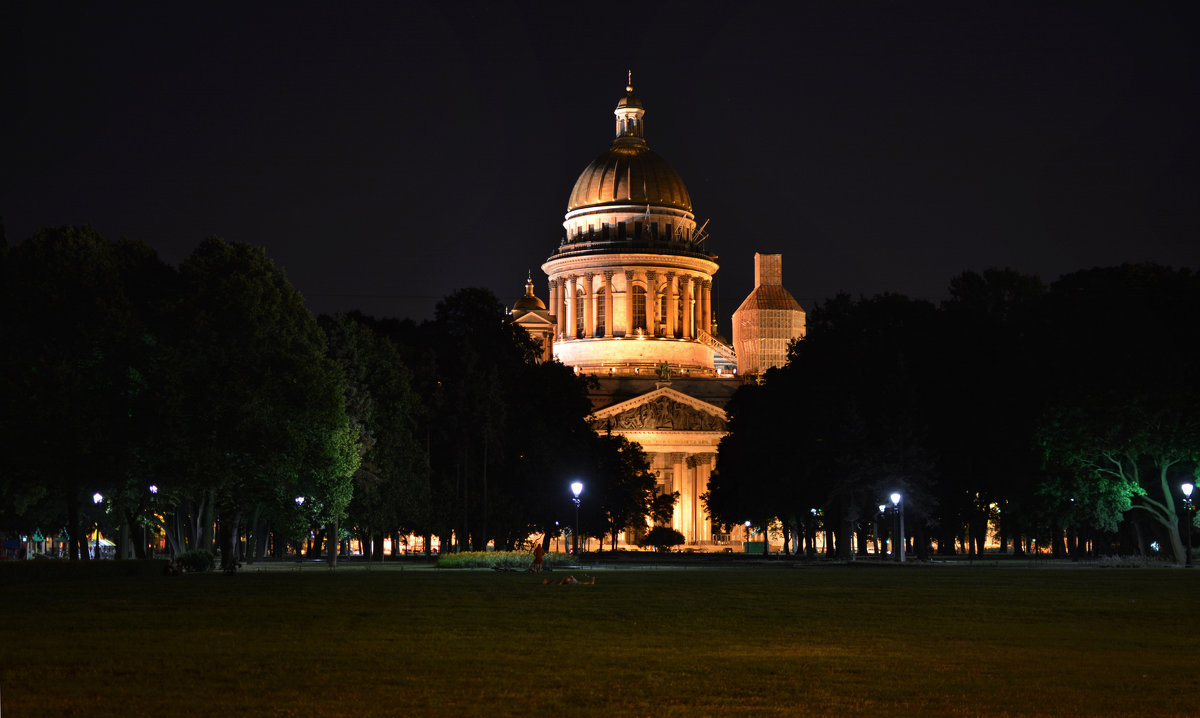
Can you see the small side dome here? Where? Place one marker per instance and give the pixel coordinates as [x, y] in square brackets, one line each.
[529, 302]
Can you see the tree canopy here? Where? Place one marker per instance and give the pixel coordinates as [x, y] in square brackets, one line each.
[1044, 411]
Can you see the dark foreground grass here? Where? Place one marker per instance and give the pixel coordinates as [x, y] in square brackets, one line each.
[836, 641]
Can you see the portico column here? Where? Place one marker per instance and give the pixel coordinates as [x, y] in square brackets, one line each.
[556, 308]
[629, 330]
[688, 498]
[610, 313]
[672, 305]
[706, 305]
[677, 484]
[570, 334]
[589, 310]
[703, 464]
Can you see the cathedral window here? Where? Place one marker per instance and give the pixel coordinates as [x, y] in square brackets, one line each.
[639, 308]
[661, 329]
[600, 314]
[580, 308]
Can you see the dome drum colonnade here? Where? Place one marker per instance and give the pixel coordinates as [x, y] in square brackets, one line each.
[630, 266]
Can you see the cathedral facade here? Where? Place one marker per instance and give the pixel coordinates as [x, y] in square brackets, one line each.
[630, 302]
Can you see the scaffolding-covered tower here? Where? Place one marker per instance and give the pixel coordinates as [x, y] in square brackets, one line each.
[767, 320]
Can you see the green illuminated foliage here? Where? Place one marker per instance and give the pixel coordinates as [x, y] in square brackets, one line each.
[1123, 427]
[261, 407]
[391, 485]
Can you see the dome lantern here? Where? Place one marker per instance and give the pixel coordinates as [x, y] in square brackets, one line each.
[530, 301]
[629, 114]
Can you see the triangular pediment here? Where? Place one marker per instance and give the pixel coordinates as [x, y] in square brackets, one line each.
[663, 409]
[533, 318]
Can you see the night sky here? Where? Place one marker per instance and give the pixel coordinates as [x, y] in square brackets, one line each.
[387, 154]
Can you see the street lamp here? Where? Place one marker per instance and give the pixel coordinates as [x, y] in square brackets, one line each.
[1187, 515]
[746, 549]
[882, 509]
[96, 499]
[577, 489]
[899, 534]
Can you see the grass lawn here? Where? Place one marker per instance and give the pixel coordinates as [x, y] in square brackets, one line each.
[696, 641]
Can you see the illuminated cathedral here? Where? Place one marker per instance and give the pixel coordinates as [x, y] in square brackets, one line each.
[630, 302]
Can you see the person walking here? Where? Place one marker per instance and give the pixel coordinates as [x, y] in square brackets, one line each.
[539, 554]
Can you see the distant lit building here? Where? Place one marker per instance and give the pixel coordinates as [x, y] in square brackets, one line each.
[767, 321]
[630, 302]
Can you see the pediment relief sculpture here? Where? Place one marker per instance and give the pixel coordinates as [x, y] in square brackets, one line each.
[663, 414]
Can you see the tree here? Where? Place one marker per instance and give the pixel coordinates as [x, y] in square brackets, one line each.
[756, 476]
[79, 316]
[261, 406]
[988, 396]
[550, 445]
[1121, 428]
[474, 363]
[391, 486]
[623, 485]
[662, 538]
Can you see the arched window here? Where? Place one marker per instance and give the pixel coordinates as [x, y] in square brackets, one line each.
[600, 313]
[580, 314]
[661, 329]
[639, 309]
[679, 302]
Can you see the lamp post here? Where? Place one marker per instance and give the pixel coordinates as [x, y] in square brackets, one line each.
[96, 499]
[577, 489]
[300, 548]
[815, 528]
[1187, 517]
[147, 548]
[882, 508]
[899, 534]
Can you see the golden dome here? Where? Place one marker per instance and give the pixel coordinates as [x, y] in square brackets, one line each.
[629, 173]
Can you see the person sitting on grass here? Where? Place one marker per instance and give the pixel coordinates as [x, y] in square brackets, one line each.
[570, 581]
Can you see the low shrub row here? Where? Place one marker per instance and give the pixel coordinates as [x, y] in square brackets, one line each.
[500, 560]
[196, 561]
